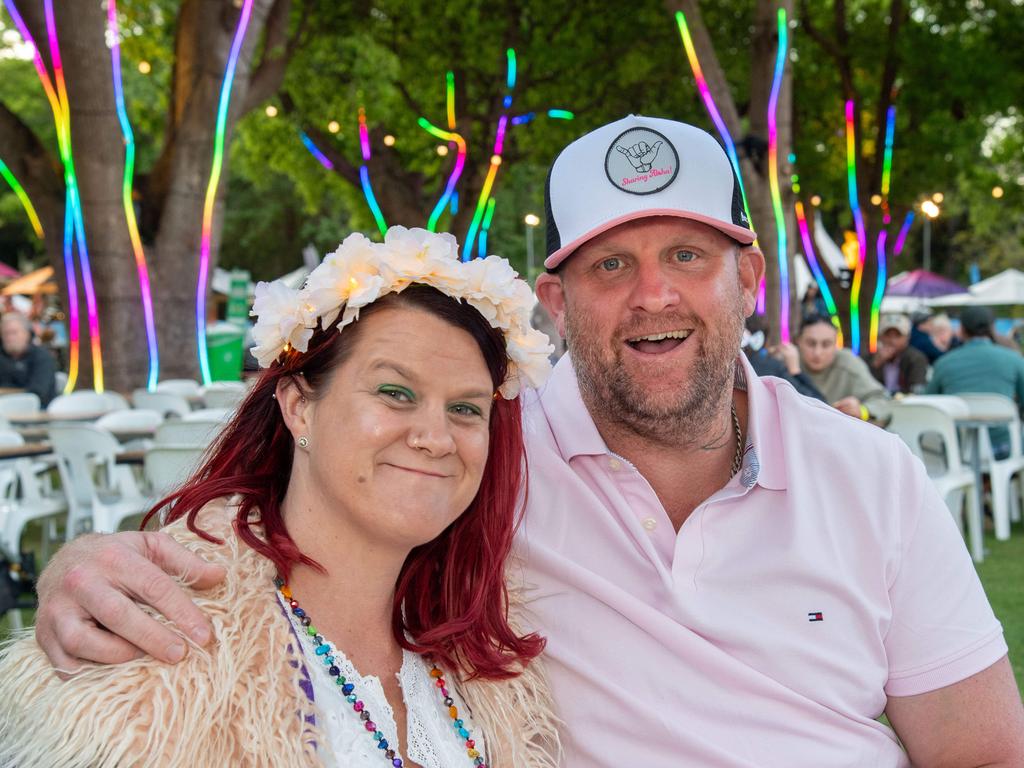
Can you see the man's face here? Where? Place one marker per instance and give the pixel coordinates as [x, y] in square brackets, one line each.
[817, 344]
[894, 340]
[652, 312]
[14, 336]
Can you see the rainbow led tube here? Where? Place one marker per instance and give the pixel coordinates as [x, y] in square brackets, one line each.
[22, 195]
[876, 300]
[817, 271]
[453, 177]
[773, 177]
[858, 220]
[141, 267]
[211, 187]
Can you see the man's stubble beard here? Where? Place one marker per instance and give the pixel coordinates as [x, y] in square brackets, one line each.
[614, 396]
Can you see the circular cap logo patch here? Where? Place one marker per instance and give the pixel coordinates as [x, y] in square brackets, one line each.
[641, 161]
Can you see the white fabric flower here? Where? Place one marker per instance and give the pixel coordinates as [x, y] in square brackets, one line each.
[285, 318]
[360, 271]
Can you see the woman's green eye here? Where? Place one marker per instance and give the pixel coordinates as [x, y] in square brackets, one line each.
[610, 265]
[685, 256]
[399, 394]
[465, 409]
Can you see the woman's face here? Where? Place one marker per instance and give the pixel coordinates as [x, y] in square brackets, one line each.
[817, 344]
[399, 440]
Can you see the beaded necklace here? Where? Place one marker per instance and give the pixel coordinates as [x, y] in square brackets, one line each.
[348, 690]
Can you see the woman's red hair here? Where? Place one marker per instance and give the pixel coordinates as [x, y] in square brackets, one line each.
[451, 597]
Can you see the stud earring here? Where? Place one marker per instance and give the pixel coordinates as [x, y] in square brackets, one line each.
[303, 442]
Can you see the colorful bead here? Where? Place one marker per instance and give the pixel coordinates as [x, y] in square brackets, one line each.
[323, 649]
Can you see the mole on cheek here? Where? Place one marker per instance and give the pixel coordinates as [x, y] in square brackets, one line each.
[361, 478]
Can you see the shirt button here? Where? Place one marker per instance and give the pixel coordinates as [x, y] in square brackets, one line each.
[615, 464]
[649, 523]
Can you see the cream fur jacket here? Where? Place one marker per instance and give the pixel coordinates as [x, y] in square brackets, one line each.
[236, 703]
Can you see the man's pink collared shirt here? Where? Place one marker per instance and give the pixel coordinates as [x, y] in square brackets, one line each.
[824, 577]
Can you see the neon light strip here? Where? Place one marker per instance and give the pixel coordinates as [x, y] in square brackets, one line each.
[74, 337]
[876, 301]
[709, 104]
[723, 131]
[364, 136]
[492, 171]
[453, 177]
[485, 192]
[22, 195]
[901, 239]
[816, 270]
[773, 177]
[315, 151]
[890, 130]
[71, 182]
[211, 188]
[449, 97]
[510, 58]
[485, 228]
[560, 114]
[523, 119]
[364, 174]
[126, 195]
[858, 219]
[74, 341]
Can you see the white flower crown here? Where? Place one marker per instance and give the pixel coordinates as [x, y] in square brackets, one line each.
[360, 271]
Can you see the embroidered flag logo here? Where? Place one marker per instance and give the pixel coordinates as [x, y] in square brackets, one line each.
[815, 616]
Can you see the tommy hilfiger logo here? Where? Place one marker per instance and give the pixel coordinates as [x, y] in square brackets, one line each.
[641, 161]
[817, 616]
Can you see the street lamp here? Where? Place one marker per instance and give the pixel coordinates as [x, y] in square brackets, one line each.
[930, 211]
[531, 220]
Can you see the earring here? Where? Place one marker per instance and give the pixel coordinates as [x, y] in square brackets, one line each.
[303, 442]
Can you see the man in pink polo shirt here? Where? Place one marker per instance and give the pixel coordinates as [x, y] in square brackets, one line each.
[728, 574]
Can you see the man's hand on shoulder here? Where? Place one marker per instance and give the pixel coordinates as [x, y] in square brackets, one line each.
[89, 592]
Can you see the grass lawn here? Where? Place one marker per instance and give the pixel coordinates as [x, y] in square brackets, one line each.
[1002, 573]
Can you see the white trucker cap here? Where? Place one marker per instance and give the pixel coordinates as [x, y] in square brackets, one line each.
[639, 167]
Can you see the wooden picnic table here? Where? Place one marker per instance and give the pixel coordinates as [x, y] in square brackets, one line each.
[130, 457]
[45, 417]
[25, 451]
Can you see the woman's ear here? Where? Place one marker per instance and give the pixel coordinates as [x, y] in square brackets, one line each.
[296, 408]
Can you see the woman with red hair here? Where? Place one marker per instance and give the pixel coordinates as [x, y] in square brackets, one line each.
[363, 501]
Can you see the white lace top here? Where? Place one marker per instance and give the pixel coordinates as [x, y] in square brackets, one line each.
[431, 740]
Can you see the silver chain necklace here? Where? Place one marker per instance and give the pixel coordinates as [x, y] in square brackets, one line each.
[737, 458]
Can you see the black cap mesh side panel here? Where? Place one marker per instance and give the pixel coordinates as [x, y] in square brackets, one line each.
[739, 215]
[554, 240]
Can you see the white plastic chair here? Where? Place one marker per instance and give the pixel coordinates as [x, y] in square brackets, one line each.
[19, 403]
[187, 433]
[919, 422]
[100, 494]
[122, 423]
[166, 467]
[167, 403]
[1004, 474]
[24, 496]
[224, 397]
[116, 401]
[187, 388]
[219, 415]
[81, 402]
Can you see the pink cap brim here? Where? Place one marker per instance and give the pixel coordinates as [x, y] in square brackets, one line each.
[740, 234]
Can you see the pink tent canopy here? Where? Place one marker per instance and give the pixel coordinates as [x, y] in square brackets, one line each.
[922, 284]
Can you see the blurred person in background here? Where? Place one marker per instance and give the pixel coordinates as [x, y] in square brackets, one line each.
[781, 361]
[23, 364]
[920, 335]
[896, 364]
[980, 365]
[942, 333]
[840, 375]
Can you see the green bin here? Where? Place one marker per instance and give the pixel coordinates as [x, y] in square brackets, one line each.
[224, 351]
